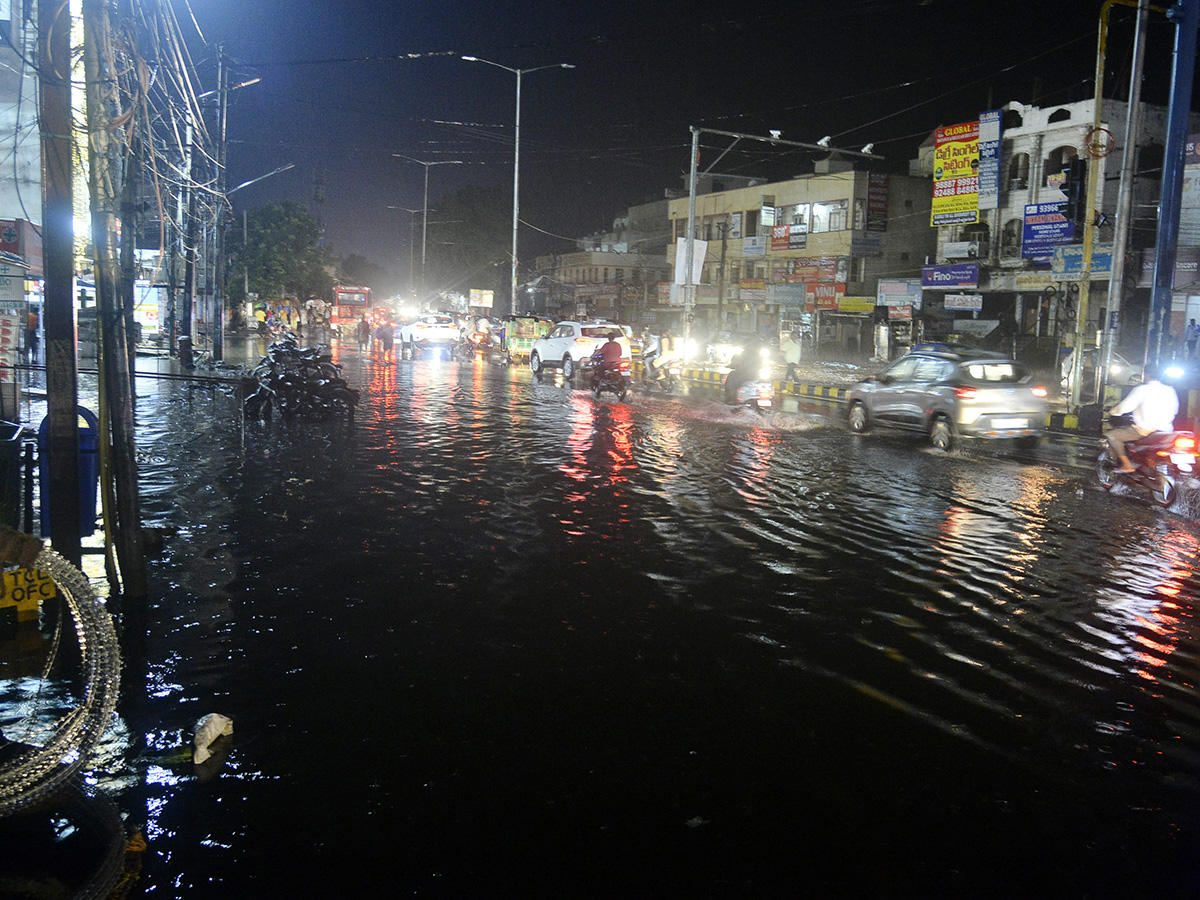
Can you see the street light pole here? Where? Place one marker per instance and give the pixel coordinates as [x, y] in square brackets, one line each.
[412, 219]
[425, 204]
[516, 158]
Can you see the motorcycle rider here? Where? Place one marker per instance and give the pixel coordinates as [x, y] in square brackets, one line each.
[610, 351]
[651, 348]
[745, 365]
[1153, 406]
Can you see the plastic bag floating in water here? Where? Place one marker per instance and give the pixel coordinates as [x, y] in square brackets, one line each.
[208, 729]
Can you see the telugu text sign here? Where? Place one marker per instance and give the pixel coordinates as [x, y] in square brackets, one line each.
[955, 175]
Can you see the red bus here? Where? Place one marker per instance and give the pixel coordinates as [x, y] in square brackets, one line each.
[350, 303]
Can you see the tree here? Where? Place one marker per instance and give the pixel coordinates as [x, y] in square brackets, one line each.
[280, 254]
[355, 269]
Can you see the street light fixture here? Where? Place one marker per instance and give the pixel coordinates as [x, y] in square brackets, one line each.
[425, 206]
[516, 156]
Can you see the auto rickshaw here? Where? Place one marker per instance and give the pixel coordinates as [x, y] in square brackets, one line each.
[520, 332]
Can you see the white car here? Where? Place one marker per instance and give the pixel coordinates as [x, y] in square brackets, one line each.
[429, 330]
[569, 344]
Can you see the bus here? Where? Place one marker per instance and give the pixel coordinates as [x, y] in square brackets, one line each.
[350, 303]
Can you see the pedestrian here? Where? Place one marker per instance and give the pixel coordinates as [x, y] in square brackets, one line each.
[1189, 338]
[385, 335]
[31, 335]
[363, 334]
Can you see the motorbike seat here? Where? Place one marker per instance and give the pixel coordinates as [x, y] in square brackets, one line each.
[1153, 441]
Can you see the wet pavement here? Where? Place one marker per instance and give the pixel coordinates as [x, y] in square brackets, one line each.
[499, 639]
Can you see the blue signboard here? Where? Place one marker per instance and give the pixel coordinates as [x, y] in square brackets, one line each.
[989, 159]
[1046, 227]
[957, 275]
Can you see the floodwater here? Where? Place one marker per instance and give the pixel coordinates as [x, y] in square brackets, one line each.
[500, 639]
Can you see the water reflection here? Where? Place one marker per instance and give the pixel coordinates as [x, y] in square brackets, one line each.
[643, 617]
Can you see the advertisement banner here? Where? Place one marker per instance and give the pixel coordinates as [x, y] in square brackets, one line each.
[779, 237]
[828, 296]
[1067, 263]
[481, 298]
[955, 175]
[754, 246]
[900, 312]
[857, 304]
[699, 250]
[989, 159]
[1046, 227]
[955, 276]
[899, 292]
[965, 302]
[877, 202]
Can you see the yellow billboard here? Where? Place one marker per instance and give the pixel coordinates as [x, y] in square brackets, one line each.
[956, 175]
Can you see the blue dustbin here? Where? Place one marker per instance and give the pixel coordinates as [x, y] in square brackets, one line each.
[89, 471]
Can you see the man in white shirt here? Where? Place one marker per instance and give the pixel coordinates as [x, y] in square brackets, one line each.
[1153, 406]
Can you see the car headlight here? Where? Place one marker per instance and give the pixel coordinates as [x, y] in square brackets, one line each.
[1173, 372]
[764, 374]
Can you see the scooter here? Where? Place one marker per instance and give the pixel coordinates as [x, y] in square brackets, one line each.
[756, 393]
[663, 374]
[1161, 458]
[615, 378]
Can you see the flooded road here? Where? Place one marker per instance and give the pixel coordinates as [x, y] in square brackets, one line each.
[498, 639]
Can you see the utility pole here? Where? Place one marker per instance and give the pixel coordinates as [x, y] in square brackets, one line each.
[1186, 16]
[218, 323]
[1116, 278]
[58, 231]
[117, 449]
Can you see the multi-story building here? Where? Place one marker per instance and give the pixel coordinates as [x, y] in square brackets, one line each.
[806, 254]
[1014, 275]
[614, 275]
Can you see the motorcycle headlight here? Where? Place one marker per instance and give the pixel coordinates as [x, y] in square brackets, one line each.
[1173, 372]
[764, 374]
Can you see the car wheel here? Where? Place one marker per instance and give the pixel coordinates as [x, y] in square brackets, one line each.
[622, 393]
[941, 435]
[1163, 491]
[1029, 442]
[412, 349]
[1105, 473]
[535, 363]
[568, 367]
[858, 418]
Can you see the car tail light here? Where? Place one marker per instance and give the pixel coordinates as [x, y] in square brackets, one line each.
[966, 393]
[584, 340]
[1040, 391]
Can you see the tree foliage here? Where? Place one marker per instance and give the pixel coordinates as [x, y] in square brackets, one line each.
[355, 269]
[281, 254]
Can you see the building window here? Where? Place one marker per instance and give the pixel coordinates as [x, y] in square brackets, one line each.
[1018, 172]
[1010, 239]
[858, 269]
[794, 215]
[620, 274]
[1057, 162]
[830, 216]
[751, 223]
[978, 233]
[1059, 115]
[860, 213]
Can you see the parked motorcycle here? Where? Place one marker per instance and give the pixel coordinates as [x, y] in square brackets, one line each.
[1161, 458]
[296, 381]
[615, 378]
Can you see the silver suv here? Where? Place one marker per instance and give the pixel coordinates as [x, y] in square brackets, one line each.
[950, 394]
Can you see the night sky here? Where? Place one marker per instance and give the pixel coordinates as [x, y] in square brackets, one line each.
[346, 85]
